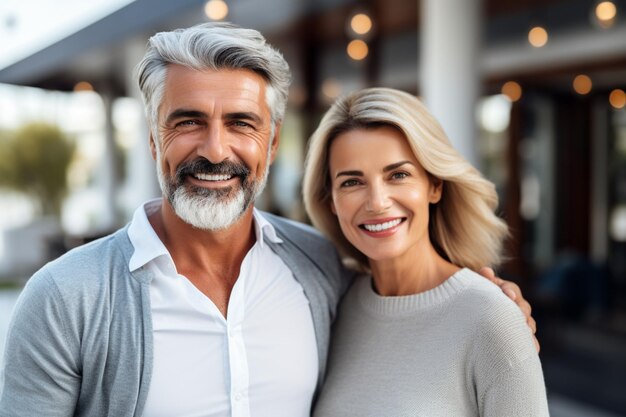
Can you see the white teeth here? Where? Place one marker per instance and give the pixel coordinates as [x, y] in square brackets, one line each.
[382, 226]
[209, 177]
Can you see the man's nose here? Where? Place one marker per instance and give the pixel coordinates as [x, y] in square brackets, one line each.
[378, 199]
[214, 146]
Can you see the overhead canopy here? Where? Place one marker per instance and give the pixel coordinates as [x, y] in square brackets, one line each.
[91, 52]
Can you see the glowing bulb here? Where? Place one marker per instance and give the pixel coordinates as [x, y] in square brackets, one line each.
[538, 36]
[606, 10]
[331, 88]
[361, 23]
[617, 98]
[582, 84]
[357, 50]
[605, 13]
[83, 86]
[216, 9]
[512, 90]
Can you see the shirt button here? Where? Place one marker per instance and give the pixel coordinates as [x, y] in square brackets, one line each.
[238, 397]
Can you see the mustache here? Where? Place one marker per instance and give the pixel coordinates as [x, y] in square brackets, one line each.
[203, 166]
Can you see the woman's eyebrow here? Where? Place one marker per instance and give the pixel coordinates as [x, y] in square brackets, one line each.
[391, 167]
[349, 173]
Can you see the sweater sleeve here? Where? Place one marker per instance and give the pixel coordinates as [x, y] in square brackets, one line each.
[518, 392]
[507, 372]
[41, 367]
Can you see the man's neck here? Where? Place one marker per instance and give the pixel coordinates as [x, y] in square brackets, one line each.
[210, 260]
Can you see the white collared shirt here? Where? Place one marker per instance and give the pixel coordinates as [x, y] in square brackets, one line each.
[260, 361]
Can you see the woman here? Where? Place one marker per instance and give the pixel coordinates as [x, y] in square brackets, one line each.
[420, 334]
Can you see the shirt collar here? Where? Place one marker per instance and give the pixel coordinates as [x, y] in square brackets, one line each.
[264, 229]
[146, 242]
[148, 246]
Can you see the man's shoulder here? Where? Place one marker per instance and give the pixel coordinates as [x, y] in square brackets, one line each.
[303, 241]
[300, 234]
[87, 265]
[96, 251]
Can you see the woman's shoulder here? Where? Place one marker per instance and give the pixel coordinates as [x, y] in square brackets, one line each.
[501, 333]
[483, 297]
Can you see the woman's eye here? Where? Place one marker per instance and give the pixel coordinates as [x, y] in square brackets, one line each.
[399, 175]
[349, 183]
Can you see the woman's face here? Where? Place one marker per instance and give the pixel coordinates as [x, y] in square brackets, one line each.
[380, 193]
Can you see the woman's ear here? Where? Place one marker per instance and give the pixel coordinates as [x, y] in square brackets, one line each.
[332, 207]
[436, 188]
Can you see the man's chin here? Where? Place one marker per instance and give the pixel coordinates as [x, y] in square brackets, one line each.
[209, 213]
[222, 193]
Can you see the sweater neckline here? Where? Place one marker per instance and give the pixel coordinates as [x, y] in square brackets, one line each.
[407, 304]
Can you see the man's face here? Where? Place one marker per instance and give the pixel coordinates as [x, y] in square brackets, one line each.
[214, 144]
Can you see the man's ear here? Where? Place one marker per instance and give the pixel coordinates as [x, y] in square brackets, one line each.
[153, 147]
[436, 189]
[275, 142]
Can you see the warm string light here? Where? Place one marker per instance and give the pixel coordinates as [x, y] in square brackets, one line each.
[83, 86]
[216, 9]
[331, 88]
[582, 84]
[357, 49]
[617, 98]
[361, 24]
[359, 27]
[605, 14]
[512, 90]
[538, 36]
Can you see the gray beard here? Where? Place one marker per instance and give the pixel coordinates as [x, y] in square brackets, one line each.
[208, 209]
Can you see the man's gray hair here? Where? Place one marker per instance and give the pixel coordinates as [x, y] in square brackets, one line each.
[212, 46]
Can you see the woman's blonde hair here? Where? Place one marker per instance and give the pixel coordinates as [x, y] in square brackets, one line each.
[463, 227]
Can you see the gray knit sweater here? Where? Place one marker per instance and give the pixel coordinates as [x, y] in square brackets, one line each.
[460, 349]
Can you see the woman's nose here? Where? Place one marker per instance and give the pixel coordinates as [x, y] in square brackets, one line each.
[378, 199]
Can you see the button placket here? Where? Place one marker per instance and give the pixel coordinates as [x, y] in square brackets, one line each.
[238, 358]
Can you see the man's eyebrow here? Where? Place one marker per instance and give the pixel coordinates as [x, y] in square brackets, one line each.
[184, 113]
[391, 167]
[243, 116]
[349, 174]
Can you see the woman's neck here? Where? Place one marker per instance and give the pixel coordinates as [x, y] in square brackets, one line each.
[411, 273]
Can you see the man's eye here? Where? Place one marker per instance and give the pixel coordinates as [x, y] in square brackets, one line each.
[186, 123]
[239, 123]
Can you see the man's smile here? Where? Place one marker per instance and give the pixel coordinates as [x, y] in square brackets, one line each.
[212, 177]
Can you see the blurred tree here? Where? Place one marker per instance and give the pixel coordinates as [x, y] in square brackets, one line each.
[34, 160]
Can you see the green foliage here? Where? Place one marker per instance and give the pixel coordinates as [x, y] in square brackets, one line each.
[35, 160]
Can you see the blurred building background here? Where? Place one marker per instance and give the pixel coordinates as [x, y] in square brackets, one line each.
[531, 91]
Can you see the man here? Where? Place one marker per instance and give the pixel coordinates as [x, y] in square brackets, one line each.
[202, 305]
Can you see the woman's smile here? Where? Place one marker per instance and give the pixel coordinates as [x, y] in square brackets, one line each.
[382, 227]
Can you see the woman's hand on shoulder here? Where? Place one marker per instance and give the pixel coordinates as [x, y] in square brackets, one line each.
[513, 291]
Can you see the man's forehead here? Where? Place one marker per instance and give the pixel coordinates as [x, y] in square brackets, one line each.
[220, 78]
[189, 88]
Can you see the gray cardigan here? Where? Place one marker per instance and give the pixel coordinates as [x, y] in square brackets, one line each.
[80, 340]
